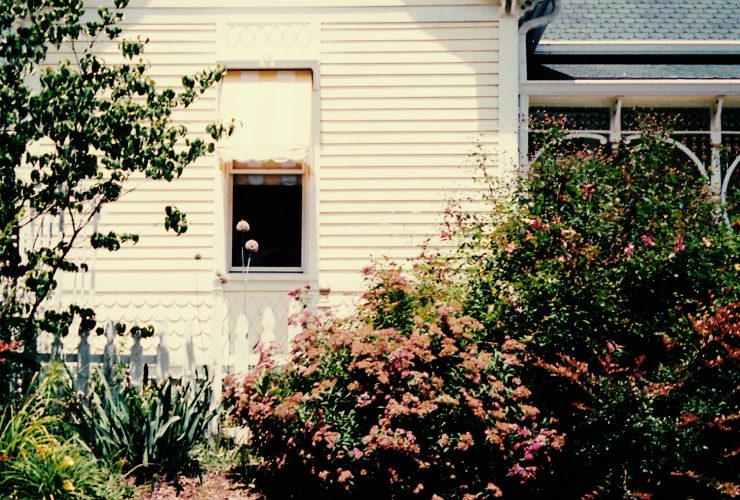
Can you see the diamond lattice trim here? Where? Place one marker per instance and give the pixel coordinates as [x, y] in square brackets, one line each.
[268, 42]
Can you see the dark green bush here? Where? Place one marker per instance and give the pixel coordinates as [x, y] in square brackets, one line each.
[592, 319]
[618, 273]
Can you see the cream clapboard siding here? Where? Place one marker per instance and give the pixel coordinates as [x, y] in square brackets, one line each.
[401, 107]
[161, 262]
[406, 88]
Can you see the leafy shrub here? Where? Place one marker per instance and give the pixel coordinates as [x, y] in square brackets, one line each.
[150, 430]
[613, 269]
[23, 427]
[401, 399]
[36, 463]
[55, 471]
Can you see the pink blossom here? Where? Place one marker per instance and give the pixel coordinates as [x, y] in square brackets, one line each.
[679, 247]
[629, 250]
[252, 246]
[242, 226]
[511, 247]
[443, 310]
[528, 456]
[535, 224]
[344, 475]
[647, 240]
[465, 442]
[367, 270]
[400, 359]
[357, 453]
[588, 190]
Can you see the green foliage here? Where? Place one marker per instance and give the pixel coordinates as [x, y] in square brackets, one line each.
[56, 471]
[25, 428]
[585, 339]
[38, 462]
[71, 134]
[150, 430]
[609, 267]
[369, 410]
[217, 456]
[175, 220]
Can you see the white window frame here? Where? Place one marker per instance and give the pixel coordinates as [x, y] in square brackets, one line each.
[274, 277]
[303, 173]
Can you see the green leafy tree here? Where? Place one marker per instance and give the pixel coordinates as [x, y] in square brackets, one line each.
[71, 134]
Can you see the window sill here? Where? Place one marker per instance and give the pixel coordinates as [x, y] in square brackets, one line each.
[267, 282]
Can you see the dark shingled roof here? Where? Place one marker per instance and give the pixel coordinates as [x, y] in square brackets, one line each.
[632, 71]
[646, 20]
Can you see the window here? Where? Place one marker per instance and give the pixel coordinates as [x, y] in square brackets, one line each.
[267, 161]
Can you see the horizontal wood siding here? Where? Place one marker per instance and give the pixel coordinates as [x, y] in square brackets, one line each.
[404, 97]
[402, 106]
[161, 261]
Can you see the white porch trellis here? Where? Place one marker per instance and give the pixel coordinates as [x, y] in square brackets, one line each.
[717, 172]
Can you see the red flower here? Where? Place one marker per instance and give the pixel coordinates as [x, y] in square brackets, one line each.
[629, 250]
[679, 247]
[647, 240]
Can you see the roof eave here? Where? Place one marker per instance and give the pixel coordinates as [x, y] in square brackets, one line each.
[557, 48]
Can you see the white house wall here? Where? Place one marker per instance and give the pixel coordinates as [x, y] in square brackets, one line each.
[406, 89]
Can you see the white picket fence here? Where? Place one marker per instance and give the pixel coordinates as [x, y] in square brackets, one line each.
[215, 331]
[217, 342]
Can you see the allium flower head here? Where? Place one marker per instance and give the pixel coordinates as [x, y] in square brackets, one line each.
[252, 246]
[242, 226]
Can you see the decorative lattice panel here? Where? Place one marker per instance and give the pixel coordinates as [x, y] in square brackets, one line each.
[268, 43]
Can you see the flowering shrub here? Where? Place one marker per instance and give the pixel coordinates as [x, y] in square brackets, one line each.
[402, 399]
[612, 269]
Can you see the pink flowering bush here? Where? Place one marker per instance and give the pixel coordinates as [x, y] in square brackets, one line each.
[404, 399]
[610, 267]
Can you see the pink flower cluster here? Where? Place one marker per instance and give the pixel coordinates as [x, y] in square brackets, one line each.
[404, 411]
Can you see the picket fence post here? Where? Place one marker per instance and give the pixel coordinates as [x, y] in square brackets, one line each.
[83, 361]
[136, 361]
[110, 356]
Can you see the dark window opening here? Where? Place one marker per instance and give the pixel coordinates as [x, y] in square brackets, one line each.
[273, 207]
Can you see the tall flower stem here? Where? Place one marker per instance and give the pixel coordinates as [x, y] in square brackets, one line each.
[245, 271]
